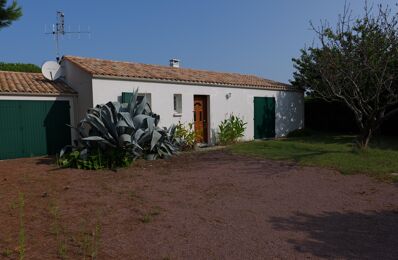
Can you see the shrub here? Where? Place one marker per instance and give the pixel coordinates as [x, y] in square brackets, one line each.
[114, 134]
[185, 135]
[231, 129]
[95, 160]
[20, 67]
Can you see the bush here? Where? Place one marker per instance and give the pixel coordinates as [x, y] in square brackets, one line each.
[20, 67]
[231, 129]
[185, 134]
[95, 160]
[114, 134]
[299, 133]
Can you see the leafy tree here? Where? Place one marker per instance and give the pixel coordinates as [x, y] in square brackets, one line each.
[21, 67]
[9, 14]
[355, 63]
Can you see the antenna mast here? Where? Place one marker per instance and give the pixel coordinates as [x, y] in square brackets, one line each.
[58, 30]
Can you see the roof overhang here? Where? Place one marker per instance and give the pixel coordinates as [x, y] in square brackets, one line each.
[199, 83]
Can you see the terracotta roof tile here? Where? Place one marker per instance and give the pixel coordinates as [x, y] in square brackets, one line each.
[31, 83]
[118, 69]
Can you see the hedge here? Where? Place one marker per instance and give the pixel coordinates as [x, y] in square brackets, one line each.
[337, 118]
[20, 67]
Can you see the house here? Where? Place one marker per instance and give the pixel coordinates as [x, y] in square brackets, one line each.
[34, 111]
[271, 109]
[33, 115]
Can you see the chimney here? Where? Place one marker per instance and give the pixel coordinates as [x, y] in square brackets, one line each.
[175, 63]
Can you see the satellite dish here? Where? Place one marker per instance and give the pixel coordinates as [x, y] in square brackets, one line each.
[51, 70]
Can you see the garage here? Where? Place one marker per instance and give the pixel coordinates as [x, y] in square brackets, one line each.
[34, 115]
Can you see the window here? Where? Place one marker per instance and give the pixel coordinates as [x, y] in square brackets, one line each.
[178, 103]
[126, 97]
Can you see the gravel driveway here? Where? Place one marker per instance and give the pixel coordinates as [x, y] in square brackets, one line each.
[210, 205]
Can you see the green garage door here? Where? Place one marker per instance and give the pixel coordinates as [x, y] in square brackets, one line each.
[33, 128]
[264, 117]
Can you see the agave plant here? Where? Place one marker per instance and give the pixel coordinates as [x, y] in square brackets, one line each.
[131, 129]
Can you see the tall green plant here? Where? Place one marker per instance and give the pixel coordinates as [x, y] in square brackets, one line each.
[185, 135]
[231, 129]
[114, 134]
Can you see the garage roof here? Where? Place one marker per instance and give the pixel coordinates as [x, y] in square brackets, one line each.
[129, 70]
[31, 83]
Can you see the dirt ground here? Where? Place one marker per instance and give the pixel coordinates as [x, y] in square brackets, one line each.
[211, 205]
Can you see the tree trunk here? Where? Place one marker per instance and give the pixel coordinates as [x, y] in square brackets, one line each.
[364, 138]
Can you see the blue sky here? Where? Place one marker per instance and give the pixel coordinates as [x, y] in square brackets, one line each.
[248, 36]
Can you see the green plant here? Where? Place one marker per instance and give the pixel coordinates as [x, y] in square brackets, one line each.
[62, 248]
[185, 135]
[355, 63]
[10, 13]
[21, 240]
[148, 217]
[20, 67]
[231, 129]
[89, 241]
[95, 160]
[6, 252]
[115, 134]
[58, 231]
[95, 241]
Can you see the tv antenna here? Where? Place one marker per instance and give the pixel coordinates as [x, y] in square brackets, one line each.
[58, 30]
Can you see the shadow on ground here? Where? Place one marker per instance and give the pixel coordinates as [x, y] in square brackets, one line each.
[352, 235]
[46, 160]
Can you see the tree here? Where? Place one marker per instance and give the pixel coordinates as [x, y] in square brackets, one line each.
[21, 67]
[9, 14]
[355, 63]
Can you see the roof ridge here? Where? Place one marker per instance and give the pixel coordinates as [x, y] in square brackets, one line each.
[165, 66]
[128, 69]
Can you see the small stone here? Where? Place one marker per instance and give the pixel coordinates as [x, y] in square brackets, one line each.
[395, 174]
[45, 194]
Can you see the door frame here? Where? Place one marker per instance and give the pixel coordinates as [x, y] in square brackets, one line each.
[206, 107]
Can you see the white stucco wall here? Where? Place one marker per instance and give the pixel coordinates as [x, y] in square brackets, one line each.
[71, 99]
[289, 104]
[81, 82]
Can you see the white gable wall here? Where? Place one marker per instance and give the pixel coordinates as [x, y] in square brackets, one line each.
[289, 104]
[81, 82]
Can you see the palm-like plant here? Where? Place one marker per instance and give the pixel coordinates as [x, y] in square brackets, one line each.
[129, 129]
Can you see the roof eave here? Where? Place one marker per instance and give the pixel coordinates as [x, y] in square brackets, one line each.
[38, 94]
[182, 82]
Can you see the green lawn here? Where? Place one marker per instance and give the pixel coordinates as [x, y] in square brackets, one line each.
[332, 151]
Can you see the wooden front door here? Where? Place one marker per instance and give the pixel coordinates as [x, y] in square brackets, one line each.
[200, 118]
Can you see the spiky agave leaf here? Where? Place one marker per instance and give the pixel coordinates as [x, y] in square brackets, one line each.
[132, 129]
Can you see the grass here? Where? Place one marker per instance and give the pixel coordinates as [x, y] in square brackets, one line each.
[58, 231]
[6, 252]
[330, 151]
[21, 240]
[148, 217]
[88, 240]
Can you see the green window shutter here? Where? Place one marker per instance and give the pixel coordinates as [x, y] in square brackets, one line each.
[126, 97]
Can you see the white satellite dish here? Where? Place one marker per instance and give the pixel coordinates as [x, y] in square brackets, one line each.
[51, 70]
